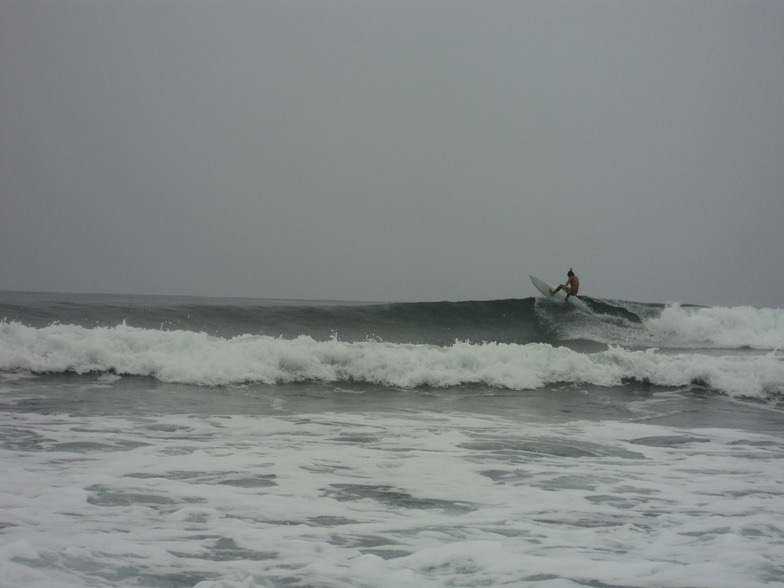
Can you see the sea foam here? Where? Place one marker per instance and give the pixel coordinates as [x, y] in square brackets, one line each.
[197, 358]
[741, 326]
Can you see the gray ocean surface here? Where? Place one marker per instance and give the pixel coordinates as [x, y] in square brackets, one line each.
[190, 442]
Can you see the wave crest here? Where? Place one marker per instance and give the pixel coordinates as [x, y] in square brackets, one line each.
[197, 358]
[738, 327]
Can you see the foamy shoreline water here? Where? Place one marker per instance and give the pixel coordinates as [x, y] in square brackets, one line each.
[465, 489]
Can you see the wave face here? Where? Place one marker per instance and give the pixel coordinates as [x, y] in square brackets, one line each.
[515, 344]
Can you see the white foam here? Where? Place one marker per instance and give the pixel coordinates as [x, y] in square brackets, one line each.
[426, 499]
[197, 358]
[741, 326]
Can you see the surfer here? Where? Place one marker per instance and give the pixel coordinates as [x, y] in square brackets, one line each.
[571, 286]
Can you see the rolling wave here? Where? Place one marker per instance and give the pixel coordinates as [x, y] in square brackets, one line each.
[201, 359]
[517, 344]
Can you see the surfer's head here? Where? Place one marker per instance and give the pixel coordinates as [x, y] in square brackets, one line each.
[570, 273]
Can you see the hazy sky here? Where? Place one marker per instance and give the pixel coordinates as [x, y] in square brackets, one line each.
[393, 150]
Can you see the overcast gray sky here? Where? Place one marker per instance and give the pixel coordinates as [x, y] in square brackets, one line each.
[393, 150]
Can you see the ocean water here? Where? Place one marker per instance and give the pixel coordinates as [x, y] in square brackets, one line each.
[226, 443]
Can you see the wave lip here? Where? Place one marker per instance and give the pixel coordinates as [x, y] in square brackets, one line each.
[200, 359]
[731, 328]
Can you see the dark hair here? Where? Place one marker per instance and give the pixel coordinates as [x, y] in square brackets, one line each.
[570, 272]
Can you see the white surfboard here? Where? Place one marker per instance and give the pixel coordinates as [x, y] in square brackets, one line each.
[545, 288]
